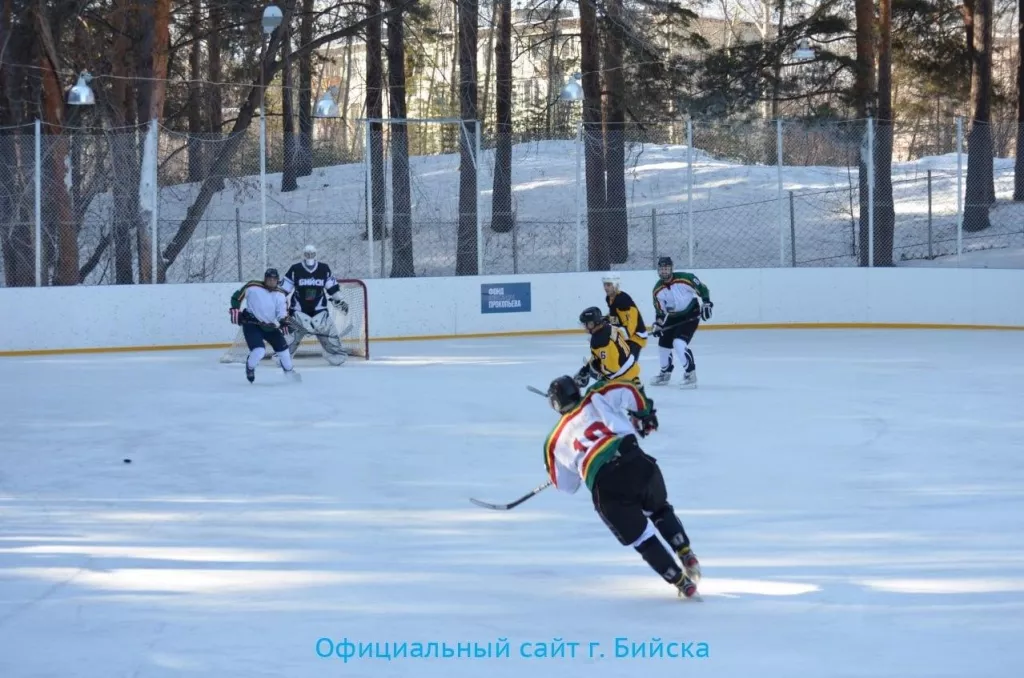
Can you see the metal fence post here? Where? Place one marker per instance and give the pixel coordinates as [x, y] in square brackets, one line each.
[263, 178]
[39, 201]
[871, 192]
[689, 186]
[930, 214]
[154, 214]
[792, 230]
[780, 197]
[368, 162]
[959, 188]
[479, 203]
[579, 196]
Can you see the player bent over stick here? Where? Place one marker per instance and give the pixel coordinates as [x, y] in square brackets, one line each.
[594, 443]
[264, 319]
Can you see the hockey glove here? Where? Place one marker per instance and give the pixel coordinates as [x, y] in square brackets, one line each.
[647, 424]
[657, 328]
[235, 313]
[582, 377]
[340, 305]
[705, 310]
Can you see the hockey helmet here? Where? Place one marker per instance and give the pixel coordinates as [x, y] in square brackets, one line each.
[271, 273]
[591, 315]
[665, 267]
[563, 394]
[611, 279]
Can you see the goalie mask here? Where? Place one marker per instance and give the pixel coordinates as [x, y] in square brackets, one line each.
[309, 257]
[563, 394]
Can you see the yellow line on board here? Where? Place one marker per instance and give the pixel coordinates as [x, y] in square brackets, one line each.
[532, 333]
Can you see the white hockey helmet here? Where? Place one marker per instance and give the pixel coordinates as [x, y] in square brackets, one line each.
[612, 278]
[309, 255]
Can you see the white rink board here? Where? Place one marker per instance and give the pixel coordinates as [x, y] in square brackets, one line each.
[99, 317]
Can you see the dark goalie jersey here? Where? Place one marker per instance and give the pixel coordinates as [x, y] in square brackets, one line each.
[311, 287]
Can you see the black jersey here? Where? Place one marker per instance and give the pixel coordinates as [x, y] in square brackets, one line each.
[310, 287]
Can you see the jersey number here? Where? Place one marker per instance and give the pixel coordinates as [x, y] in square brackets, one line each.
[593, 434]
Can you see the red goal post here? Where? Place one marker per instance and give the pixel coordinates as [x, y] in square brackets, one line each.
[354, 327]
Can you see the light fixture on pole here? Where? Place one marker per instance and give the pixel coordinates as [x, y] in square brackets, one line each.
[327, 107]
[804, 51]
[272, 18]
[573, 90]
[81, 94]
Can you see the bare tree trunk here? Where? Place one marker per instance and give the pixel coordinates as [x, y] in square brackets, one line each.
[450, 136]
[485, 100]
[885, 211]
[977, 196]
[305, 159]
[1018, 164]
[17, 241]
[289, 181]
[56, 153]
[555, 75]
[402, 260]
[375, 110]
[196, 164]
[593, 145]
[864, 93]
[615, 136]
[467, 245]
[502, 219]
[215, 101]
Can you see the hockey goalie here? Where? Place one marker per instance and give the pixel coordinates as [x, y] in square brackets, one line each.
[312, 286]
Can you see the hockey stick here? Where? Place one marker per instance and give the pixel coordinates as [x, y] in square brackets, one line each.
[512, 505]
[537, 391]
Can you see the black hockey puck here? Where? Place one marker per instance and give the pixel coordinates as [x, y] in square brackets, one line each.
[127, 461]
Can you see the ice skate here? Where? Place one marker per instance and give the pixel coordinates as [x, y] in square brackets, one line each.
[687, 589]
[689, 380]
[663, 378]
[250, 374]
[292, 375]
[690, 563]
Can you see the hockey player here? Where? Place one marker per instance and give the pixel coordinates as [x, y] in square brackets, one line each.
[312, 285]
[594, 443]
[264, 319]
[623, 311]
[611, 356]
[681, 301]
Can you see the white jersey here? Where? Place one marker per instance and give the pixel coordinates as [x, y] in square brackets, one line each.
[268, 306]
[589, 435]
[681, 294]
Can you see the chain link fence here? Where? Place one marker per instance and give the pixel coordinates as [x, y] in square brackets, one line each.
[138, 205]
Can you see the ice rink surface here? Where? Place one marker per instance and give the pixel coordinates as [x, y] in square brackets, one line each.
[856, 499]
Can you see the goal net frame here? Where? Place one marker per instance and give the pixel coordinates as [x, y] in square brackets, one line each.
[354, 328]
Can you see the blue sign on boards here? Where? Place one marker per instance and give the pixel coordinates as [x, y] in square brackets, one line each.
[505, 298]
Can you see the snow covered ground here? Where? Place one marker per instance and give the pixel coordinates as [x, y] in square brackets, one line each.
[735, 215]
[855, 498]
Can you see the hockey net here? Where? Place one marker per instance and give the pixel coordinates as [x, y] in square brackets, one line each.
[352, 326]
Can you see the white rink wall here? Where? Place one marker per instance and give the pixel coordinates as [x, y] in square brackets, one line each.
[196, 315]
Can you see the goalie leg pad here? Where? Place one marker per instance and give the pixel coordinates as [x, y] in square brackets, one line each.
[330, 340]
